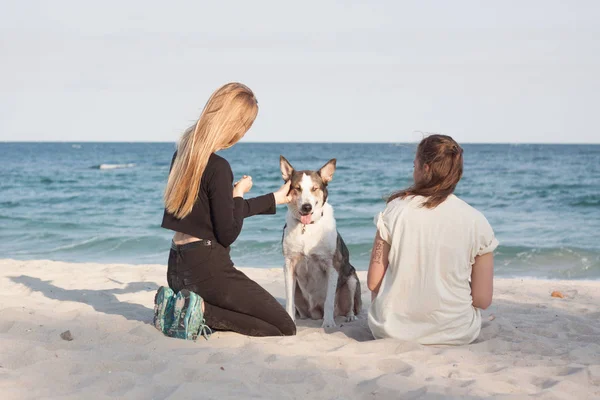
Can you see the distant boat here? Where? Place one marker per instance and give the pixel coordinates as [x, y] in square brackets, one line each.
[113, 166]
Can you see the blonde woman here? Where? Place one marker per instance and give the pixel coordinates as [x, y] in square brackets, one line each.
[206, 211]
[432, 264]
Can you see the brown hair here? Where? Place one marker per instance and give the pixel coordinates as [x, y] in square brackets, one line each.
[226, 118]
[444, 160]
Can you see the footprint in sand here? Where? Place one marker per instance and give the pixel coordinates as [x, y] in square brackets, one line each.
[311, 378]
[220, 358]
[492, 369]
[390, 386]
[582, 329]
[544, 383]
[118, 386]
[5, 326]
[394, 366]
[270, 358]
[192, 374]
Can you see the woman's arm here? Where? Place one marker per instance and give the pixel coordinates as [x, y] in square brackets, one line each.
[260, 205]
[226, 212]
[228, 207]
[482, 281]
[264, 204]
[378, 265]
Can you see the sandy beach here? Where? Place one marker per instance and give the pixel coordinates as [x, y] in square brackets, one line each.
[532, 344]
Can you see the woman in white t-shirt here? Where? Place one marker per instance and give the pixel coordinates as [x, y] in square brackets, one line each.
[432, 265]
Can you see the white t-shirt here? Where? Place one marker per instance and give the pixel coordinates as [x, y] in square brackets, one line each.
[425, 295]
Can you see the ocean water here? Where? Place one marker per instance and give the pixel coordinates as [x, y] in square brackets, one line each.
[102, 202]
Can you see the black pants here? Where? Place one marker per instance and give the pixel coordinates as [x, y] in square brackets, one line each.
[233, 302]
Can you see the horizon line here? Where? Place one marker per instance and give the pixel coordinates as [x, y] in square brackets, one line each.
[309, 142]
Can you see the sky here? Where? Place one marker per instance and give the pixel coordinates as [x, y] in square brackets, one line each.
[323, 71]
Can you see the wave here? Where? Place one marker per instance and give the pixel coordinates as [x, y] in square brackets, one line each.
[552, 262]
[113, 166]
[9, 204]
[96, 248]
[46, 181]
[586, 201]
[264, 250]
[71, 246]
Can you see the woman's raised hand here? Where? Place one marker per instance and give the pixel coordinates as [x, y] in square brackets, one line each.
[282, 195]
[242, 186]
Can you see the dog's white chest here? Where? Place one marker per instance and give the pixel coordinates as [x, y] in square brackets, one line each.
[315, 239]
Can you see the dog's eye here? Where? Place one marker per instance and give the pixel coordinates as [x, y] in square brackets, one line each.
[298, 188]
[314, 189]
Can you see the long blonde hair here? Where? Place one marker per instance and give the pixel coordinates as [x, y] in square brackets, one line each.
[226, 118]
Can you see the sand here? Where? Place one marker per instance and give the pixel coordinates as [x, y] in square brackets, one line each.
[531, 344]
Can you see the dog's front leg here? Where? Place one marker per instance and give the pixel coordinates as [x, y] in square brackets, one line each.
[290, 286]
[352, 286]
[328, 309]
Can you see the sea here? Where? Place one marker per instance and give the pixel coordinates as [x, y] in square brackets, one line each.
[102, 202]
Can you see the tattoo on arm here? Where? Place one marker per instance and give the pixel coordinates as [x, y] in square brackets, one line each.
[378, 251]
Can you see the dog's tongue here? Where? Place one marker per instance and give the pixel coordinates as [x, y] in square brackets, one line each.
[305, 219]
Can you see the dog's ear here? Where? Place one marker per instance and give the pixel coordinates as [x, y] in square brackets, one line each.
[286, 168]
[327, 170]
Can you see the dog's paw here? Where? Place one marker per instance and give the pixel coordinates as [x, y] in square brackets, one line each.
[350, 318]
[328, 324]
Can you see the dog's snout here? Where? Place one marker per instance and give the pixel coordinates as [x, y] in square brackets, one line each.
[306, 208]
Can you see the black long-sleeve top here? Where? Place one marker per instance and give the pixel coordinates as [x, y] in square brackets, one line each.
[217, 215]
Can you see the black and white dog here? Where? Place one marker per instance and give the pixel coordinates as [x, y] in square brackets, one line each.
[320, 282]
